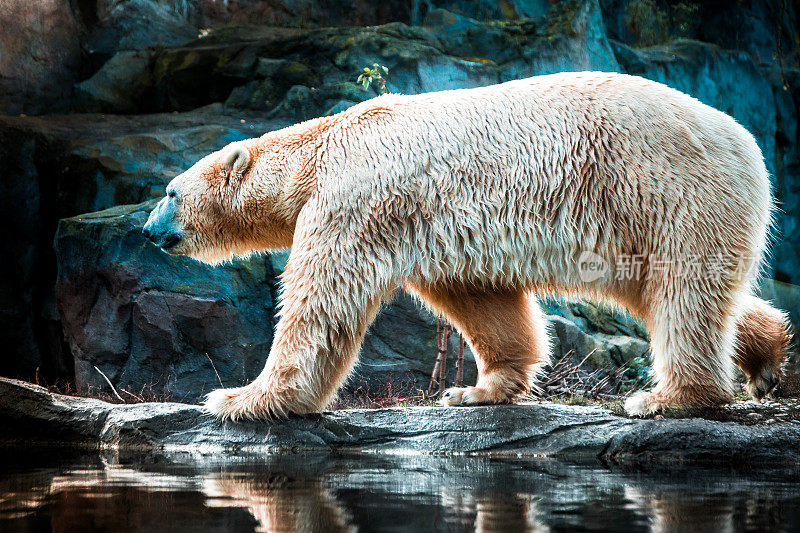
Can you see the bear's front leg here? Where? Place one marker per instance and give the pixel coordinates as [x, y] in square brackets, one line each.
[329, 299]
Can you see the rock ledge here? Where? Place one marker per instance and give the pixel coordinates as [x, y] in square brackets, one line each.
[32, 415]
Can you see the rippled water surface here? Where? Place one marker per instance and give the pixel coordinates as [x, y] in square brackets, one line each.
[40, 490]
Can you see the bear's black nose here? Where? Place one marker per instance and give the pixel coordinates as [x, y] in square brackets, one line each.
[147, 234]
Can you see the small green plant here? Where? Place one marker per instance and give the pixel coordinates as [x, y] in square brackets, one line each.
[376, 75]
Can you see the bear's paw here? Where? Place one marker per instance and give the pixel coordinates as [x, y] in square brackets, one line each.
[641, 404]
[456, 396]
[236, 404]
[762, 384]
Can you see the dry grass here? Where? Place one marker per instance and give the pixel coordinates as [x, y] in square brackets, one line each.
[789, 387]
[119, 395]
[566, 379]
[396, 393]
[564, 382]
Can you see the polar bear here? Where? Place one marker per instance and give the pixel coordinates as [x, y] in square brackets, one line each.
[477, 200]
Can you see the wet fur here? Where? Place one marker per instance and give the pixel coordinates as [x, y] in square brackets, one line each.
[476, 199]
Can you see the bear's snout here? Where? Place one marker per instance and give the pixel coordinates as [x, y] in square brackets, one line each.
[161, 228]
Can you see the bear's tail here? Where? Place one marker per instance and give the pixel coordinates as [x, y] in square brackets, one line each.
[762, 342]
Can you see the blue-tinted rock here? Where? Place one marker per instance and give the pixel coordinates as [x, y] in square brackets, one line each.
[157, 322]
[581, 434]
[61, 166]
[297, 74]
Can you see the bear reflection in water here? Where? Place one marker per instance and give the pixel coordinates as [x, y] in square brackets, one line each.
[401, 494]
[279, 503]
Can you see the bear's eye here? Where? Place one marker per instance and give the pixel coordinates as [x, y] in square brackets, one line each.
[172, 194]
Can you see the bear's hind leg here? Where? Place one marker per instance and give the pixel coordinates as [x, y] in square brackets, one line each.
[762, 342]
[692, 332]
[507, 334]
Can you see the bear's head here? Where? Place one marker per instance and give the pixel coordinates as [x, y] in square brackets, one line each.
[229, 204]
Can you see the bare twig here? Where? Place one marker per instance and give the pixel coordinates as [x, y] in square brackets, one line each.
[132, 395]
[447, 329]
[110, 385]
[460, 361]
[215, 370]
[439, 375]
[567, 379]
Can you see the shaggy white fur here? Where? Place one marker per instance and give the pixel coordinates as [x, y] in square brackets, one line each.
[473, 198]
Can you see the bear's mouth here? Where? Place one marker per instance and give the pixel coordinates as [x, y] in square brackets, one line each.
[170, 242]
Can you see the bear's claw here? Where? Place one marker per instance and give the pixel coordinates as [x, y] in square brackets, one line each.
[762, 385]
[456, 396]
[451, 397]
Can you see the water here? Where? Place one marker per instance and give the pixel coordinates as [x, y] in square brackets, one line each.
[41, 491]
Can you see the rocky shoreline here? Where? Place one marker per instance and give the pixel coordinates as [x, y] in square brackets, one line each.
[580, 434]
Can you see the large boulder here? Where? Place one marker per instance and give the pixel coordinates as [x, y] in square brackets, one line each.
[120, 84]
[48, 45]
[114, 25]
[61, 166]
[761, 29]
[175, 328]
[41, 55]
[147, 320]
[786, 250]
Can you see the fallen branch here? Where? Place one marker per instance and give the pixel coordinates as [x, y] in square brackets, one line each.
[110, 385]
[215, 370]
[132, 395]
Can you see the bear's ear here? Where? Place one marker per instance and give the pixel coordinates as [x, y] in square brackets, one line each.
[236, 162]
